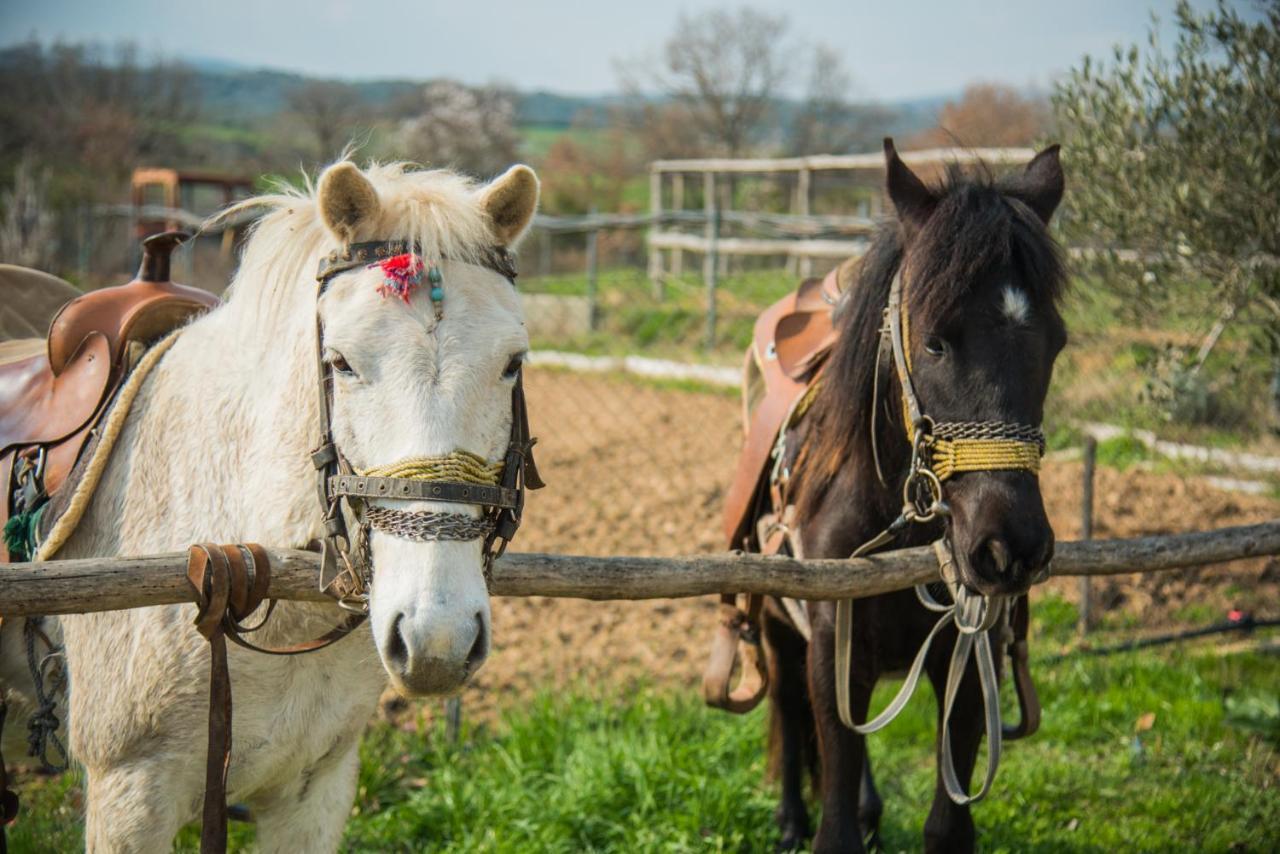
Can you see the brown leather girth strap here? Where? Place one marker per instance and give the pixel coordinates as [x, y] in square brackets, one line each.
[230, 582]
[1028, 700]
[737, 634]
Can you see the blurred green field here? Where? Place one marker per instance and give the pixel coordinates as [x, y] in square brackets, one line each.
[589, 770]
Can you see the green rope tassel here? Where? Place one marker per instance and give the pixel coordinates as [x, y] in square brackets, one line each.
[20, 534]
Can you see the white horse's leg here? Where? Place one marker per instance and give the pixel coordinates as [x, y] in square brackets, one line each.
[309, 814]
[137, 807]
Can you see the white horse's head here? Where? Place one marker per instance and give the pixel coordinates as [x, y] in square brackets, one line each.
[413, 379]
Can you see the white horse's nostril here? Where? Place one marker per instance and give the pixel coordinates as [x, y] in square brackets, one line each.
[480, 649]
[397, 651]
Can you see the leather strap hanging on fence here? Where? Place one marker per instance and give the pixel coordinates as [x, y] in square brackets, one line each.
[230, 582]
[738, 630]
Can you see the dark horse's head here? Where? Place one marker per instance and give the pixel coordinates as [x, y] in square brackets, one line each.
[981, 280]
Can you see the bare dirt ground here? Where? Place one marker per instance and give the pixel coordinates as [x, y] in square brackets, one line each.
[634, 469]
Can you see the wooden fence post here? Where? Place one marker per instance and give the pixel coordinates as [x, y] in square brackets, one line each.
[710, 272]
[453, 719]
[677, 205]
[804, 194]
[656, 275]
[1086, 528]
[544, 252]
[593, 260]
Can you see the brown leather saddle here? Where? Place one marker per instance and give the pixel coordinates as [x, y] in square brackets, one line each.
[791, 341]
[53, 393]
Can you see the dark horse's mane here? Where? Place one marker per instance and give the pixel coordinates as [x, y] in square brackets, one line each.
[978, 225]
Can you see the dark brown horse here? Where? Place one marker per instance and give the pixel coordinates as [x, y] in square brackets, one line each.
[982, 278]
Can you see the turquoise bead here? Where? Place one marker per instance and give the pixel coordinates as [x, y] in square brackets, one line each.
[434, 277]
[437, 294]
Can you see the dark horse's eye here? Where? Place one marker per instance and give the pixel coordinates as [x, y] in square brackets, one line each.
[513, 366]
[935, 346]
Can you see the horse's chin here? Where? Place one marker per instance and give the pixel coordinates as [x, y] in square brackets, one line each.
[1015, 583]
[438, 681]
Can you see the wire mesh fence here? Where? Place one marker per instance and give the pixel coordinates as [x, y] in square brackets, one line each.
[639, 414]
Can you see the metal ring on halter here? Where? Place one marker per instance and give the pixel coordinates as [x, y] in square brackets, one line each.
[912, 505]
[356, 603]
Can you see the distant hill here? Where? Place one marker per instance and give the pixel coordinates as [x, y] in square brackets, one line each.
[234, 92]
[231, 92]
[238, 95]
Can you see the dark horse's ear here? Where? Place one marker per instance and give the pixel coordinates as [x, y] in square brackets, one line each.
[913, 201]
[1040, 185]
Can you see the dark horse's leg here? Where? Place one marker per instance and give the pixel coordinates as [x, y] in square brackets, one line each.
[949, 826]
[843, 751]
[791, 727]
[870, 807]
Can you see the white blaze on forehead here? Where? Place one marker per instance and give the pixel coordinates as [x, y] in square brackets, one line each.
[1015, 305]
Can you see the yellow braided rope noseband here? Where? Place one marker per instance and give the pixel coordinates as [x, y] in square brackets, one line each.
[460, 466]
[955, 456]
[989, 446]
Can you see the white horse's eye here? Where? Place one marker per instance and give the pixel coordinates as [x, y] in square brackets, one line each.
[513, 366]
[339, 364]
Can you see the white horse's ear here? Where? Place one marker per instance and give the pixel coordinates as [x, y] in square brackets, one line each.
[510, 201]
[347, 199]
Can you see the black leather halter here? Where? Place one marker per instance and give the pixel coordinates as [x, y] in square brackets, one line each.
[495, 258]
[345, 565]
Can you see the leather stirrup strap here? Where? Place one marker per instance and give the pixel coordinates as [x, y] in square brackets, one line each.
[209, 572]
[1019, 662]
[230, 582]
[737, 635]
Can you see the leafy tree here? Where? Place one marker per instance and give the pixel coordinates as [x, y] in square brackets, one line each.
[988, 114]
[1176, 157]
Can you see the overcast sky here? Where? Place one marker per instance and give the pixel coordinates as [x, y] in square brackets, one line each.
[894, 49]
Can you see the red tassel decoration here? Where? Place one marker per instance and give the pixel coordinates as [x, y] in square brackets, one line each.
[401, 274]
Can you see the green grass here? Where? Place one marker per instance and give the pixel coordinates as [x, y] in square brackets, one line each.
[588, 770]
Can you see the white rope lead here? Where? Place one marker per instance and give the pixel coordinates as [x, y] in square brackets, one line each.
[973, 616]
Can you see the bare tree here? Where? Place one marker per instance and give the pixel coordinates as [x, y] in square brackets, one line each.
[726, 68]
[27, 230]
[330, 110]
[471, 129]
[828, 121]
[90, 114]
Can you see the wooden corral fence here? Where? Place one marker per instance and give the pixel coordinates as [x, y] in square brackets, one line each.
[669, 180]
[107, 584]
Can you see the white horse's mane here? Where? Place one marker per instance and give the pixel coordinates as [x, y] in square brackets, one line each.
[436, 209]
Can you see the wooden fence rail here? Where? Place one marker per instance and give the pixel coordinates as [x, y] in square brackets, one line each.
[106, 584]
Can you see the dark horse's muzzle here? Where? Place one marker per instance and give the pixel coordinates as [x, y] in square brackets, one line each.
[1000, 534]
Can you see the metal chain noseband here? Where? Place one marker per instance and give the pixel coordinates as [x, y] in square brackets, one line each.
[428, 526]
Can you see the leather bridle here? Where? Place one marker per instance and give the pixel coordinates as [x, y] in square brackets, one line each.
[939, 450]
[345, 564]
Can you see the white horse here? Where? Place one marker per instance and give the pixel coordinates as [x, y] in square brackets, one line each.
[216, 448]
